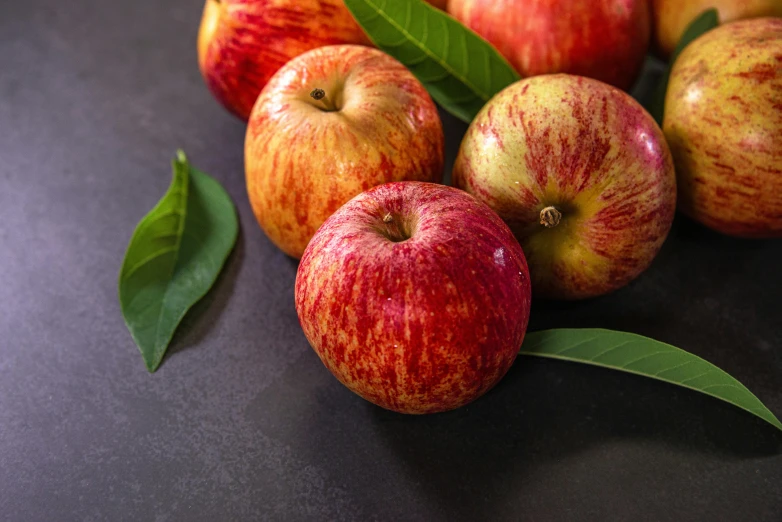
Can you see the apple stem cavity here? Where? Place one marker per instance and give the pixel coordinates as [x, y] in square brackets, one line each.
[320, 95]
[395, 229]
[550, 217]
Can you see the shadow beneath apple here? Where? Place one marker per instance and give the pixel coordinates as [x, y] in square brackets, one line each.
[471, 460]
[200, 319]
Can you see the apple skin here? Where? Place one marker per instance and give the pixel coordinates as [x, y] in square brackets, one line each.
[602, 39]
[671, 17]
[242, 43]
[595, 155]
[422, 325]
[723, 122]
[302, 162]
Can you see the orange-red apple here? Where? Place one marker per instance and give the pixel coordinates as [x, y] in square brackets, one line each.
[242, 43]
[671, 17]
[723, 121]
[415, 296]
[581, 173]
[602, 39]
[373, 122]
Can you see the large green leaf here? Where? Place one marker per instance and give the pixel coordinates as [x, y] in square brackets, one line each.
[461, 70]
[704, 23]
[174, 257]
[643, 356]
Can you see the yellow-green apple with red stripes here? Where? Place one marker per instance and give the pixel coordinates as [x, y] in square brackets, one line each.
[416, 296]
[330, 124]
[723, 121]
[581, 173]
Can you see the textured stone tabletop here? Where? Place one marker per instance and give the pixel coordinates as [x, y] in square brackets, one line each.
[242, 421]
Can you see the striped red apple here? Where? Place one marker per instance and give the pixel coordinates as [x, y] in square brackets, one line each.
[602, 39]
[581, 173]
[242, 43]
[370, 122]
[415, 296]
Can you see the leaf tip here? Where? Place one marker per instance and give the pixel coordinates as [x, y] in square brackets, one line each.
[180, 156]
[152, 366]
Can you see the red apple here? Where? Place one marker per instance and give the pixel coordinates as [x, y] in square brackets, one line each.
[581, 173]
[671, 17]
[304, 157]
[415, 296]
[602, 39]
[723, 121]
[242, 43]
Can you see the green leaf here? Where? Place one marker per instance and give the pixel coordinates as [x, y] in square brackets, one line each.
[646, 357]
[704, 23]
[461, 70]
[174, 257]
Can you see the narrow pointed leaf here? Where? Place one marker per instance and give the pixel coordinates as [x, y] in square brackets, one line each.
[461, 70]
[646, 357]
[174, 257]
[704, 23]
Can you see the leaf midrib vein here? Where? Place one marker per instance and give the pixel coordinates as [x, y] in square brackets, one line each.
[766, 414]
[426, 51]
[177, 246]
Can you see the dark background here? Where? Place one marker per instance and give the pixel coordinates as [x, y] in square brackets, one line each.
[242, 421]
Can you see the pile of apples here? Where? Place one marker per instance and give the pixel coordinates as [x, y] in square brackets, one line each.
[415, 295]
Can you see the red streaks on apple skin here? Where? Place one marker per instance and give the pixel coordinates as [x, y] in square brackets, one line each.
[761, 72]
[591, 151]
[418, 326]
[729, 176]
[302, 163]
[254, 38]
[602, 39]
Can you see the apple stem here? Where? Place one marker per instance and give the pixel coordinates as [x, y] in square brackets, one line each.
[550, 217]
[395, 231]
[320, 95]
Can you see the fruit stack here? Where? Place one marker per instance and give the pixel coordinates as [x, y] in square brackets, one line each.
[415, 295]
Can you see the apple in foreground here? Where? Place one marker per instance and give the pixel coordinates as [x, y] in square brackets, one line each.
[671, 17]
[581, 173]
[415, 296]
[330, 124]
[723, 122]
[602, 39]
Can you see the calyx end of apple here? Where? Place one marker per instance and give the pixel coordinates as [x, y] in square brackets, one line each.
[550, 217]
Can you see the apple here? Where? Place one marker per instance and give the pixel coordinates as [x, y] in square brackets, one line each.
[416, 296]
[602, 39]
[723, 122]
[330, 124]
[580, 172]
[242, 43]
[671, 17]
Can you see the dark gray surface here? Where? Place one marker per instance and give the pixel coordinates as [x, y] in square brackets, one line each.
[242, 421]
